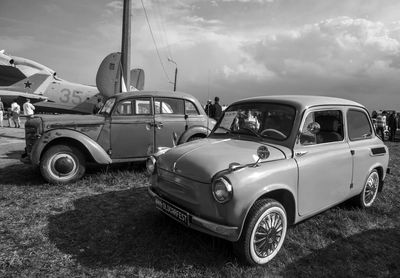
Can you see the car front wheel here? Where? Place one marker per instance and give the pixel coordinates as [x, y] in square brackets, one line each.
[62, 164]
[370, 190]
[263, 234]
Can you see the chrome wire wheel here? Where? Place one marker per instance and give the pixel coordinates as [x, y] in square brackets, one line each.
[268, 235]
[370, 190]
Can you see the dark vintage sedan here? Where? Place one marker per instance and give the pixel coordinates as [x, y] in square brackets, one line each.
[130, 127]
[270, 162]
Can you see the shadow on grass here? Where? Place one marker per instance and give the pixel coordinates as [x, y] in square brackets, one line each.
[20, 174]
[374, 253]
[13, 155]
[124, 228]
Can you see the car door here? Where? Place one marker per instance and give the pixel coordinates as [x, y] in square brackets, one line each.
[361, 139]
[324, 161]
[193, 116]
[132, 129]
[169, 117]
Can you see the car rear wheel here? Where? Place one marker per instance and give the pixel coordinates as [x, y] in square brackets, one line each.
[370, 190]
[62, 164]
[263, 234]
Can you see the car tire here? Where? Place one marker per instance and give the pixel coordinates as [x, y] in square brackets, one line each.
[62, 164]
[370, 190]
[267, 217]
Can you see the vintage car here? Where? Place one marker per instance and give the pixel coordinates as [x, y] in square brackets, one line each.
[129, 127]
[270, 162]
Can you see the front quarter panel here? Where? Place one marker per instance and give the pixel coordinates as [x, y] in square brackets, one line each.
[252, 183]
[98, 153]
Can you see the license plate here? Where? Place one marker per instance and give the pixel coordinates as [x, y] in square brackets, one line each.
[173, 211]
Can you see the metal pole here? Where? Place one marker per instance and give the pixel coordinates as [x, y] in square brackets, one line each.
[126, 44]
[176, 74]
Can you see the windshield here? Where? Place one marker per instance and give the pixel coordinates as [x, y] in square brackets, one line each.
[106, 109]
[260, 119]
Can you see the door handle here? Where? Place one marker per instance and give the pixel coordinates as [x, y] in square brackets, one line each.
[301, 153]
[159, 125]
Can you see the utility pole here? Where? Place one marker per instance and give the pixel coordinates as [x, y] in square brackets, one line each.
[176, 74]
[126, 44]
[176, 71]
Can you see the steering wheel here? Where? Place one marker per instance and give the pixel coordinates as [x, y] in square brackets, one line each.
[273, 131]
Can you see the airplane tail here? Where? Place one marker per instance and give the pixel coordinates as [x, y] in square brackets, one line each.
[31, 84]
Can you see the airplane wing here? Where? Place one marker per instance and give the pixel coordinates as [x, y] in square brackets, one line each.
[32, 87]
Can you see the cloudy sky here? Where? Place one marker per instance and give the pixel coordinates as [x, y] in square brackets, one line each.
[230, 48]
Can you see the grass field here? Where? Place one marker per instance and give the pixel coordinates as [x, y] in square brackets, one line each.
[106, 226]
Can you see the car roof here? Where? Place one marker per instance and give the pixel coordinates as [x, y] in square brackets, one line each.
[155, 94]
[304, 101]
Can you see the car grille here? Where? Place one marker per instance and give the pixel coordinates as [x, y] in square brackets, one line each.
[31, 135]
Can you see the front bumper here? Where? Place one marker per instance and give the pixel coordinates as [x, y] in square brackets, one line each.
[205, 226]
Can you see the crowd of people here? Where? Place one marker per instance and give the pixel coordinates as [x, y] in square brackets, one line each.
[386, 123]
[14, 112]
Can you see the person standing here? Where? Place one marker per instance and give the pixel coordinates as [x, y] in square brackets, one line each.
[1, 113]
[208, 108]
[216, 109]
[28, 108]
[393, 124]
[381, 125]
[16, 110]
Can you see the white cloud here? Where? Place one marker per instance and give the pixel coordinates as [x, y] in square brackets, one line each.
[115, 5]
[336, 47]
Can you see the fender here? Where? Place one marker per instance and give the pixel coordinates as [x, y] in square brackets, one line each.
[97, 152]
[192, 131]
[265, 190]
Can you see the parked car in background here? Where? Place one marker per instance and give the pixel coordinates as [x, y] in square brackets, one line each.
[270, 162]
[129, 127]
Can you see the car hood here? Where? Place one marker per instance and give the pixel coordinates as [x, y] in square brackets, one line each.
[200, 160]
[70, 120]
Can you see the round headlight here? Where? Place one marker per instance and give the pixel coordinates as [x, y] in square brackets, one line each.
[222, 190]
[150, 165]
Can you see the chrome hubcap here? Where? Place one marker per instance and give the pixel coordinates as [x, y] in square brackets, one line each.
[268, 234]
[63, 165]
[371, 188]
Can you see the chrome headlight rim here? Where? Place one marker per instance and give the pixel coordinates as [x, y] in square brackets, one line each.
[227, 187]
[151, 165]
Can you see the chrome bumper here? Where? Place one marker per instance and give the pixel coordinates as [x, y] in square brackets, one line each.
[208, 227]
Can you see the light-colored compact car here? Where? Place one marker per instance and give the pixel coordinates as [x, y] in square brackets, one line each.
[270, 162]
[130, 127]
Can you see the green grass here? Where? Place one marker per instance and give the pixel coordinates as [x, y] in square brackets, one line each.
[106, 226]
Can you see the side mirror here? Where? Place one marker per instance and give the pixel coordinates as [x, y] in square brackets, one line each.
[263, 152]
[313, 127]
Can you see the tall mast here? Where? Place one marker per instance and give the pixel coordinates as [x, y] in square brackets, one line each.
[126, 44]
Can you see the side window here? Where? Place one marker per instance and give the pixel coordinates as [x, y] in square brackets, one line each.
[124, 108]
[168, 106]
[307, 138]
[190, 108]
[143, 106]
[359, 126]
[331, 127]
[133, 107]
